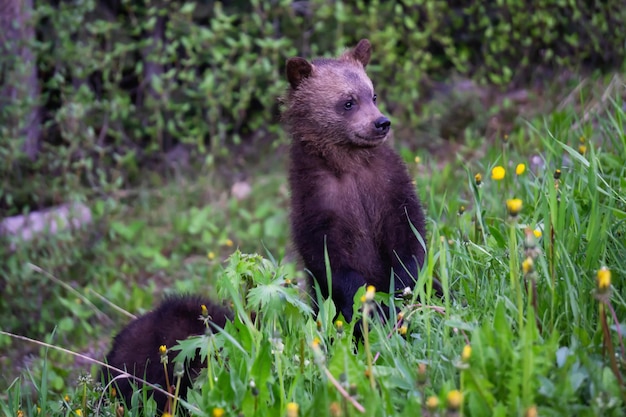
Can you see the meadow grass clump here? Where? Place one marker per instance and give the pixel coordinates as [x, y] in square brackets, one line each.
[529, 247]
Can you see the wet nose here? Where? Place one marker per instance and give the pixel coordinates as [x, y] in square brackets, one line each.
[382, 124]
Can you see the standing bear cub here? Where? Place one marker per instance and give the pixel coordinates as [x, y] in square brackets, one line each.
[351, 195]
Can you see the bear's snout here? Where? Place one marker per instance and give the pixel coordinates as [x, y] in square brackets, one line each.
[382, 124]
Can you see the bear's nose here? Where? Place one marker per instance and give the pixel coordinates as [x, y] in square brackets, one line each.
[382, 124]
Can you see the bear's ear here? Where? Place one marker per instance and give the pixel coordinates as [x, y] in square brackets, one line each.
[297, 70]
[362, 52]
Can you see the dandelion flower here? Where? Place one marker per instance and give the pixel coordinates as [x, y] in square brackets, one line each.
[228, 243]
[514, 206]
[454, 399]
[292, 409]
[531, 412]
[162, 350]
[210, 256]
[528, 265]
[418, 159]
[466, 354]
[205, 311]
[370, 292]
[432, 403]
[218, 412]
[537, 233]
[520, 169]
[498, 173]
[403, 330]
[604, 278]
[582, 149]
[479, 179]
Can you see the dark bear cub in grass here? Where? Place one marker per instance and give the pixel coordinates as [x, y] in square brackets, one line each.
[136, 348]
[351, 194]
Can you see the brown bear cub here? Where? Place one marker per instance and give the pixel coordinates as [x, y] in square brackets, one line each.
[351, 194]
[136, 348]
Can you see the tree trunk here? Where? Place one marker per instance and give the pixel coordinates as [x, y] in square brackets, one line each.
[19, 85]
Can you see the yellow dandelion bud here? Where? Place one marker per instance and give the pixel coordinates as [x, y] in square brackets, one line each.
[582, 149]
[528, 265]
[218, 412]
[403, 330]
[339, 324]
[478, 179]
[210, 255]
[335, 409]
[514, 206]
[432, 403]
[162, 350]
[287, 281]
[400, 315]
[205, 311]
[531, 412]
[363, 299]
[604, 278]
[466, 354]
[166, 414]
[79, 412]
[316, 342]
[418, 159]
[454, 399]
[537, 233]
[461, 210]
[557, 174]
[292, 409]
[498, 173]
[66, 398]
[520, 169]
[228, 243]
[370, 292]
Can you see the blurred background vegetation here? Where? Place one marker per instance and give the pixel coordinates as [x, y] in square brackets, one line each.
[105, 101]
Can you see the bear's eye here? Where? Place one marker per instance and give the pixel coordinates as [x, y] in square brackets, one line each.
[348, 105]
[374, 98]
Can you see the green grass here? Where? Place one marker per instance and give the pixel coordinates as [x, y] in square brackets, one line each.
[543, 336]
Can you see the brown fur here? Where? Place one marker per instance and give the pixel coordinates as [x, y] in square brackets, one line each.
[350, 191]
[136, 347]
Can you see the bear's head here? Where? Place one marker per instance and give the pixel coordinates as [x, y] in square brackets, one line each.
[333, 101]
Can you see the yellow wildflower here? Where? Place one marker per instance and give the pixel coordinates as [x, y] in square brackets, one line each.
[205, 311]
[218, 412]
[478, 178]
[79, 412]
[520, 169]
[531, 412]
[162, 350]
[228, 243]
[582, 149]
[454, 399]
[557, 174]
[292, 409]
[418, 159]
[514, 206]
[498, 173]
[604, 278]
[210, 255]
[528, 265]
[537, 233]
[432, 403]
[466, 354]
[370, 292]
[403, 330]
